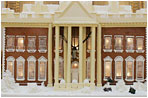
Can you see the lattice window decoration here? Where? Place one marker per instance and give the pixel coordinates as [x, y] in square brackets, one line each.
[130, 44]
[139, 44]
[107, 43]
[20, 43]
[42, 66]
[118, 68]
[140, 68]
[129, 68]
[118, 43]
[107, 67]
[20, 68]
[31, 44]
[10, 43]
[31, 68]
[10, 64]
[42, 44]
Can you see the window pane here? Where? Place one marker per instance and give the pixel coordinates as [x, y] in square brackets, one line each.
[20, 43]
[130, 43]
[129, 70]
[107, 43]
[118, 70]
[31, 70]
[42, 43]
[20, 73]
[31, 43]
[140, 69]
[61, 70]
[10, 42]
[139, 43]
[42, 70]
[118, 43]
[88, 44]
[10, 66]
[88, 69]
[107, 69]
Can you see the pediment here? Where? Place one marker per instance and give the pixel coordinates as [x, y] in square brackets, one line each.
[74, 12]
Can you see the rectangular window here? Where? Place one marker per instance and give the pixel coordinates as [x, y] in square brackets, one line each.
[61, 70]
[20, 43]
[89, 43]
[107, 43]
[108, 69]
[31, 70]
[140, 44]
[140, 69]
[31, 44]
[10, 66]
[129, 72]
[10, 43]
[118, 43]
[130, 43]
[118, 69]
[42, 70]
[42, 44]
[20, 70]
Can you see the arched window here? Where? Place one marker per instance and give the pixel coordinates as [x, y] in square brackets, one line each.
[31, 67]
[61, 68]
[88, 68]
[140, 68]
[10, 64]
[118, 68]
[20, 68]
[42, 66]
[129, 68]
[107, 67]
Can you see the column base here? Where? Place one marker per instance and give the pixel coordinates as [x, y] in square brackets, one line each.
[92, 86]
[80, 85]
[99, 85]
[49, 85]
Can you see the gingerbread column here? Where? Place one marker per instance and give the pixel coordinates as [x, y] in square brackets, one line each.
[50, 55]
[65, 54]
[56, 73]
[69, 58]
[92, 56]
[80, 54]
[99, 73]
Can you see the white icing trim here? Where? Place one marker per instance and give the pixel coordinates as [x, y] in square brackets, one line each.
[119, 58]
[42, 59]
[3, 68]
[23, 60]
[129, 58]
[31, 58]
[108, 58]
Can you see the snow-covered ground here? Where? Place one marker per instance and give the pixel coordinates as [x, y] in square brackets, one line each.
[9, 89]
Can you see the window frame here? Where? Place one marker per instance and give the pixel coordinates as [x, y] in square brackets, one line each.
[20, 50]
[31, 50]
[42, 50]
[42, 59]
[31, 58]
[108, 58]
[139, 51]
[130, 59]
[118, 50]
[142, 59]
[130, 50]
[18, 60]
[118, 59]
[107, 50]
[11, 58]
[11, 49]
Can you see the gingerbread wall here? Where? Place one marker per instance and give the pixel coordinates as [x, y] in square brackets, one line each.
[125, 31]
[27, 32]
